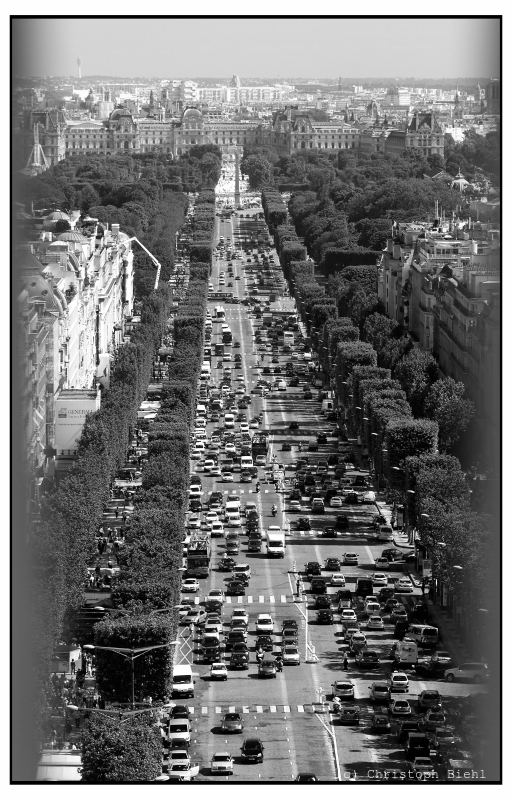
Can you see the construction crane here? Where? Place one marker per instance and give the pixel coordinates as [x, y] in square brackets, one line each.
[153, 259]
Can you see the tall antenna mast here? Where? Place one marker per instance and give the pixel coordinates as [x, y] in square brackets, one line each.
[79, 65]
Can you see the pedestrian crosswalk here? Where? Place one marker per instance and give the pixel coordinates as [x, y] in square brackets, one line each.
[260, 599]
[306, 708]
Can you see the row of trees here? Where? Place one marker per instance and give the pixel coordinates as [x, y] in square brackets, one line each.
[405, 414]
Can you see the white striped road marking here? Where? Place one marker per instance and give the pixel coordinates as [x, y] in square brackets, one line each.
[240, 599]
[245, 709]
[204, 710]
[283, 598]
[261, 598]
[266, 491]
[191, 709]
[286, 709]
[228, 599]
[259, 709]
[196, 601]
[300, 709]
[272, 598]
[218, 710]
[231, 709]
[249, 599]
[273, 709]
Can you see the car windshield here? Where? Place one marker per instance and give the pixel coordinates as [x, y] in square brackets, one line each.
[232, 717]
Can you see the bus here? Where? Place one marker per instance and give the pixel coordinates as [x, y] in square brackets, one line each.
[198, 555]
[220, 314]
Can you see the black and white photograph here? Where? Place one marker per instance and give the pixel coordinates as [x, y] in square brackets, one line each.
[256, 347]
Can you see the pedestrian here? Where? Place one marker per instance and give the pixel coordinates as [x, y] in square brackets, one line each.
[73, 666]
[345, 663]
[124, 517]
[117, 512]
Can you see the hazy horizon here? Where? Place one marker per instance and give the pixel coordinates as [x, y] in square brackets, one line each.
[366, 48]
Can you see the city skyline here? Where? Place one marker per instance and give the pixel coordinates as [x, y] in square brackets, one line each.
[392, 48]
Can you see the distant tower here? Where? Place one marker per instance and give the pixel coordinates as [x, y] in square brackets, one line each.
[339, 84]
[79, 65]
[37, 161]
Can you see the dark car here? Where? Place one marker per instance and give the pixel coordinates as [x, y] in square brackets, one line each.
[323, 601]
[293, 426]
[329, 533]
[417, 745]
[380, 693]
[303, 524]
[349, 715]
[321, 438]
[293, 382]
[306, 777]
[308, 394]
[289, 623]
[211, 654]
[239, 660]
[254, 545]
[380, 722]
[252, 750]
[351, 499]
[408, 726]
[236, 588]
[367, 659]
[325, 616]
[226, 564]
[430, 669]
[179, 712]
[332, 564]
[286, 446]
[319, 585]
[313, 568]
[195, 505]
[342, 522]
[265, 642]
[429, 698]
[235, 637]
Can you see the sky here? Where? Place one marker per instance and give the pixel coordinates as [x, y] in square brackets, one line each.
[291, 47]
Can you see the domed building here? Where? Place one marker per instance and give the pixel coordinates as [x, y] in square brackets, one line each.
[460, 183]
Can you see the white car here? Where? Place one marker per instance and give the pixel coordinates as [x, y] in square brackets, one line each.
[375, 623]
[294, 505]
[369, 497]
[379, 579]
[348, 615]
[211, 516]
[242, 569]
[216, 594]
[221, 764]
[371, 607]
[281, 386]
[209, 464]
[194, 522]
[190, 585]
[244, 426]
[215, 472]
[239, 617]
[337, 579]
[351, 559]
[227, 477]
[218, 672]
[382, 563]
[404, 585]
[195, 491]
[183, 609]
[291, 655]
[229, 448]
[195, 454]
[217, 529]
[200, 446]
[180, 759]
[264, 623]
[399, 682]
[335, 502]
[179, 730]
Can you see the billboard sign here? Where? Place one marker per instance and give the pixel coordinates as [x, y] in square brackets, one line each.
[71, 409]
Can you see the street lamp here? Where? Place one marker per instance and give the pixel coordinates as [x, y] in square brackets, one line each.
[130, 654]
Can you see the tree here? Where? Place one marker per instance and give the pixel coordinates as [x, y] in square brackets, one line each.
[409, 437]
[258, 170]
[416, 371]
[121, 751]
[445, 403]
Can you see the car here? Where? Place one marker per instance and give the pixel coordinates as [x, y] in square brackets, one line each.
[240, 617]
[232, 723]
[303, 524]
[252, 750]
[179, 712]
[216, 594]
[294, 505]
[342, 522]
[239, 659]
[343, 689]
[178, 730]
[357, 642]
[443, 658]
[329, 532]
[325, 617]
[350, 559]
[190, 585]
[293, 426]
[349, 715]
[400, 707]
[264, 623]
[422, 767]
[221, 763]
[337, 579]
[434, 718]
[179, 758]
[380, 722]
[322, 601]
[399, 682]
[218, 671]
[193, 617]
[236, 588]
[443, 738]
[404, 584]
[306, 777]
[290, 654]
[348, 615]
[289, 636]
[468, 671]
[286, 446]
[335, 501]
[226, 564]
[429, 698]
[332, 564]
[375, 623]
[313, 568]
[379, 579]
[380, 692]
[367, 659]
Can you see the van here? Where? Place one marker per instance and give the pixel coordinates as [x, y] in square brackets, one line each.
[364, 587]
[385, 533]
[424, 635]
[406, 652]
[182, 681]
[344, 599]
[245, 462]
[233, 507]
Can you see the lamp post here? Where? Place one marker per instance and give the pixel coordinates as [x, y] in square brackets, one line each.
[130, 654]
